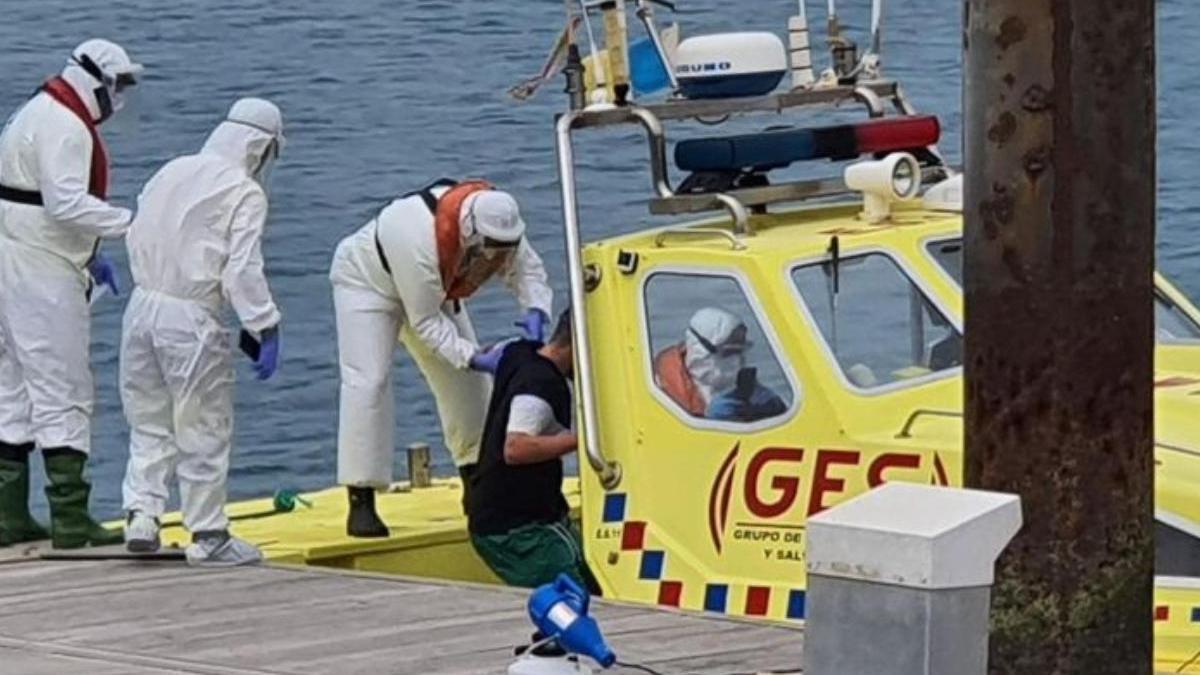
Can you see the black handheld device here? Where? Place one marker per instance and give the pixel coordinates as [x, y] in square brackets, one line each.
[249, 346]
[747, 382]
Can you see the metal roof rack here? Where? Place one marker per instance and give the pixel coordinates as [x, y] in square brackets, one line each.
[873, 96]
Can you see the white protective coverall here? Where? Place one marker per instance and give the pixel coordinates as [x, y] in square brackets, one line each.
[374, 306]
[46, 390]
[196, 243]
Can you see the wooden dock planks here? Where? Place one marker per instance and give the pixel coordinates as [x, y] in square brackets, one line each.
[143, 618]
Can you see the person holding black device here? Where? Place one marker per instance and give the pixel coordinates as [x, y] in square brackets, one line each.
[195, 247]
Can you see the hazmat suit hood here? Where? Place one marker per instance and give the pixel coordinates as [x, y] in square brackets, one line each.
[715, 345]
[251, 136]
[100, 72]
[490, 228]
[493, 214]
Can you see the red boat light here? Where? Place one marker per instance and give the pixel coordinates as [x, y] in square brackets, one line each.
[780, 147]
[897, 133]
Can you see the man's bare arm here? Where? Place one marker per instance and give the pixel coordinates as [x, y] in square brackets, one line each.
[527, 449]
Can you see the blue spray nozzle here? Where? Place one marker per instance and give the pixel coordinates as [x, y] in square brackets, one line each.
[559, 610]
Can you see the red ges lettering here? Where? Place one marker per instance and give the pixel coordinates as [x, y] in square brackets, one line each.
[787, 487]
[823, 483]
[890, 461]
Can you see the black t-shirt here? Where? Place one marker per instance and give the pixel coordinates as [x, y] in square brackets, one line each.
[503, 497]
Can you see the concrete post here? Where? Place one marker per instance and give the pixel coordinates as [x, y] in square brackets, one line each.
[1059, 211]
[420, 475]
[899, 581]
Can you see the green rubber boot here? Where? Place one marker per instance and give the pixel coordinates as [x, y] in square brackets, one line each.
[67, 491]
[16, 523]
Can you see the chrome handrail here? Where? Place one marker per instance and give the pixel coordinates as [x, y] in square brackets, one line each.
[657, 137]
[871, 100]
[737, 210]
[906, 431]
[661, 238]
[608, 472]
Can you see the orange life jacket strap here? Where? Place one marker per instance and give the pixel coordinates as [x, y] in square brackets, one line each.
[449, 235]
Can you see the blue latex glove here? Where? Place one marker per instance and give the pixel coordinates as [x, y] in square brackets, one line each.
[533, 325]
[488, 360]
[268, 355]
[760, 405]
[103, 272]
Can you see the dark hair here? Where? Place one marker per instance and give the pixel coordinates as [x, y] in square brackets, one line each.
[562, 330]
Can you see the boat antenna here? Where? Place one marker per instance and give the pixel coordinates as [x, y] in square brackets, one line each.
[587, 24]
[876, 25]
[834, 29]
[842, 49]
[834, 282]
[800, 49]
[645, 12]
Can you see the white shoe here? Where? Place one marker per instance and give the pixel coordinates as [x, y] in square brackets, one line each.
[141, 533]
[226, 551]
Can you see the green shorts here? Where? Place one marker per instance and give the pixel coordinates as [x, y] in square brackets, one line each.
[532, 555]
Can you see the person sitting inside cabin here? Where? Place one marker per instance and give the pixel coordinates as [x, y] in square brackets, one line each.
[706, 373]
[516, 512]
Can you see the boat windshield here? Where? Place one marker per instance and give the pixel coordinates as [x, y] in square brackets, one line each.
[879, 326]
[1172, 323]
[949, 255]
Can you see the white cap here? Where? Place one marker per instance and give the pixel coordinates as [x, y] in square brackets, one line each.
[258, 114]
[495, 215]
[712, 328]
[108, 56]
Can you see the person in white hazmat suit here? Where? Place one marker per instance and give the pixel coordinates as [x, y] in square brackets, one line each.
[53, 213]
[706, 373]
[406, 273]
[195, 245]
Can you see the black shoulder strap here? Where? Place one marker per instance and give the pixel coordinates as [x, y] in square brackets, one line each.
[431, 202]
[426, 193]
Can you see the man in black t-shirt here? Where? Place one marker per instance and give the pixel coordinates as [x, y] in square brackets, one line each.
[515, 508]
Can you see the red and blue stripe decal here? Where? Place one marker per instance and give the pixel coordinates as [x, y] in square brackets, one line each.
[1163, 613]
[758, 601]
[614, 507]
[652, 566]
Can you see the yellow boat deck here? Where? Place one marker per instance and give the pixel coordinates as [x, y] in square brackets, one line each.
[428, 532]
[81, 617]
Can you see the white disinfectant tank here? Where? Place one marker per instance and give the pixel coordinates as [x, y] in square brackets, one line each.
[730, 64]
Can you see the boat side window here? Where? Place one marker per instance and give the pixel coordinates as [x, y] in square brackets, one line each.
[948, 253]
[879, 326]
[1172, 324]
[710, 357]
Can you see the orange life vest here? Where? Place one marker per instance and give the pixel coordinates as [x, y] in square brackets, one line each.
[449, 238]
[672, 376]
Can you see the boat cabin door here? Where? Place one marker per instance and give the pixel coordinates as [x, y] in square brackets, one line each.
[715, 442]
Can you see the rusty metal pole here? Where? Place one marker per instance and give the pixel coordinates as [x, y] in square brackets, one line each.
[1060, 215]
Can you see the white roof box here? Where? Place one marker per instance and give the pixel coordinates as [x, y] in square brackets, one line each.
[730, 64]
[946, 195]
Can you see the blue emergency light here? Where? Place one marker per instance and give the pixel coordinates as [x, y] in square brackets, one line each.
[781, 147]
[560, 611]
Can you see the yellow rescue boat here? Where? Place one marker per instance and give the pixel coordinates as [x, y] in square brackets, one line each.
[854, 311]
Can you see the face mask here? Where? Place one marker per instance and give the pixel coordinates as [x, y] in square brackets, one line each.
[266, 165]
[717, 374]
[480, 263]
